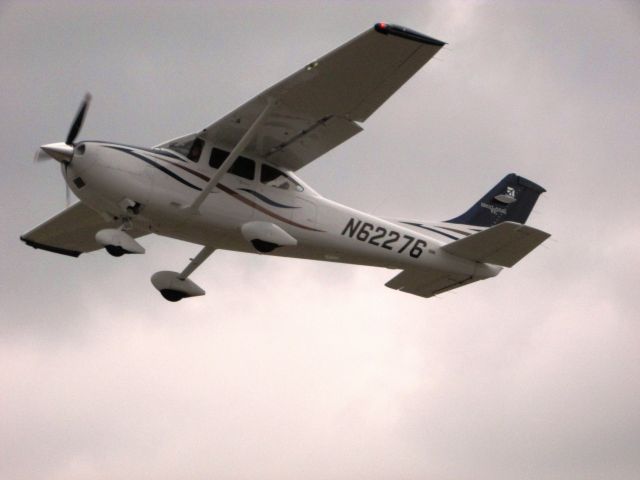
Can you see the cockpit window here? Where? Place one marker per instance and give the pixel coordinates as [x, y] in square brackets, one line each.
[188, 147]
[196, 150]
[275, 178]
[242, 167]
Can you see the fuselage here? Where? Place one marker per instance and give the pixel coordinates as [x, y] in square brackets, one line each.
[153, 188]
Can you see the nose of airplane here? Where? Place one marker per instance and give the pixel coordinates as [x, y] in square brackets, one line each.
[61, 152]
[83, 156]
[64, 152]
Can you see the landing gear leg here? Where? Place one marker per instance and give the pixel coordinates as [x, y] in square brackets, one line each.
[174, 286]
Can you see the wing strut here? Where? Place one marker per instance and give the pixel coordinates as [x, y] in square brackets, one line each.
[196, 262]
[235, 153]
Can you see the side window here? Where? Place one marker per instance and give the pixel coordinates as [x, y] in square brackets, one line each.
[275, 178]
[188, 147]
[217, 157]
[195, 150]
[242, 167]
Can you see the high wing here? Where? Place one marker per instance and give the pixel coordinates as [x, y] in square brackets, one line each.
[72, 231]
[318, 107]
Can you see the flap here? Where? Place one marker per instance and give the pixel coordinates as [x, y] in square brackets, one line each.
[504, 244]
[72, 231]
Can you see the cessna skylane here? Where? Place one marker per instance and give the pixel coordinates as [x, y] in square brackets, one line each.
[232, 185]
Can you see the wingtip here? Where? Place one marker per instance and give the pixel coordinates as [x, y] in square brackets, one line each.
[404, 32]
[49, 248]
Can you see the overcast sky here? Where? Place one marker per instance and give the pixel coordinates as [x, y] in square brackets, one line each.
[293, 369]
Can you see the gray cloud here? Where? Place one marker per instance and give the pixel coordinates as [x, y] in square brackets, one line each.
[290, 369]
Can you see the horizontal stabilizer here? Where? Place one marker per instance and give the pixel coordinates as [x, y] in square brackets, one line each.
[427, 283]
[504, 244]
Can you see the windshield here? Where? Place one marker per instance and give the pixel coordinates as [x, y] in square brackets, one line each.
[284, 180]
[275, 178]
[190, 147]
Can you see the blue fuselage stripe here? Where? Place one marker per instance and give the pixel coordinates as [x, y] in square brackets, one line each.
[156, 165]
[145, 159]
[266, 199]
[419, 225]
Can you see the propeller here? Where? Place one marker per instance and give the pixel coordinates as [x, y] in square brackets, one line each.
[41, 156]
[63, 152]
[77, 122]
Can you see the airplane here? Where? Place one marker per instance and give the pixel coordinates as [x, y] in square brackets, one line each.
[233, 185]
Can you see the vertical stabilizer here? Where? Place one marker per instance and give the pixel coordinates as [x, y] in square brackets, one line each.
[511, 200]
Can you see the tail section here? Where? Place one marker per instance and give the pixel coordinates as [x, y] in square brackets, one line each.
[503, 243]
[511, 200]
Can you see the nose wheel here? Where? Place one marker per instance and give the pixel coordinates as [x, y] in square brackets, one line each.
[117, 241]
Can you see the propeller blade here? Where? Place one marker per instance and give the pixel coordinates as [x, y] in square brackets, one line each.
[41, 156]
[77, 122]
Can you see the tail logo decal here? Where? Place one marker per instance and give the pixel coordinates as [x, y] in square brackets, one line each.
[508, 197]
[494, 209]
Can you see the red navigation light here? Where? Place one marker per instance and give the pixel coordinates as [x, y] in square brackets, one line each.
[382, 27]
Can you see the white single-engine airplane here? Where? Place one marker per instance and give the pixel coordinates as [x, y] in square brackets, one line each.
[231, 186]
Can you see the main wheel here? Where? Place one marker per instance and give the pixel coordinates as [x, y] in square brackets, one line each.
[172, 295]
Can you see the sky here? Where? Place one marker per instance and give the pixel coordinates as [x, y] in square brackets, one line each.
[296, 369]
